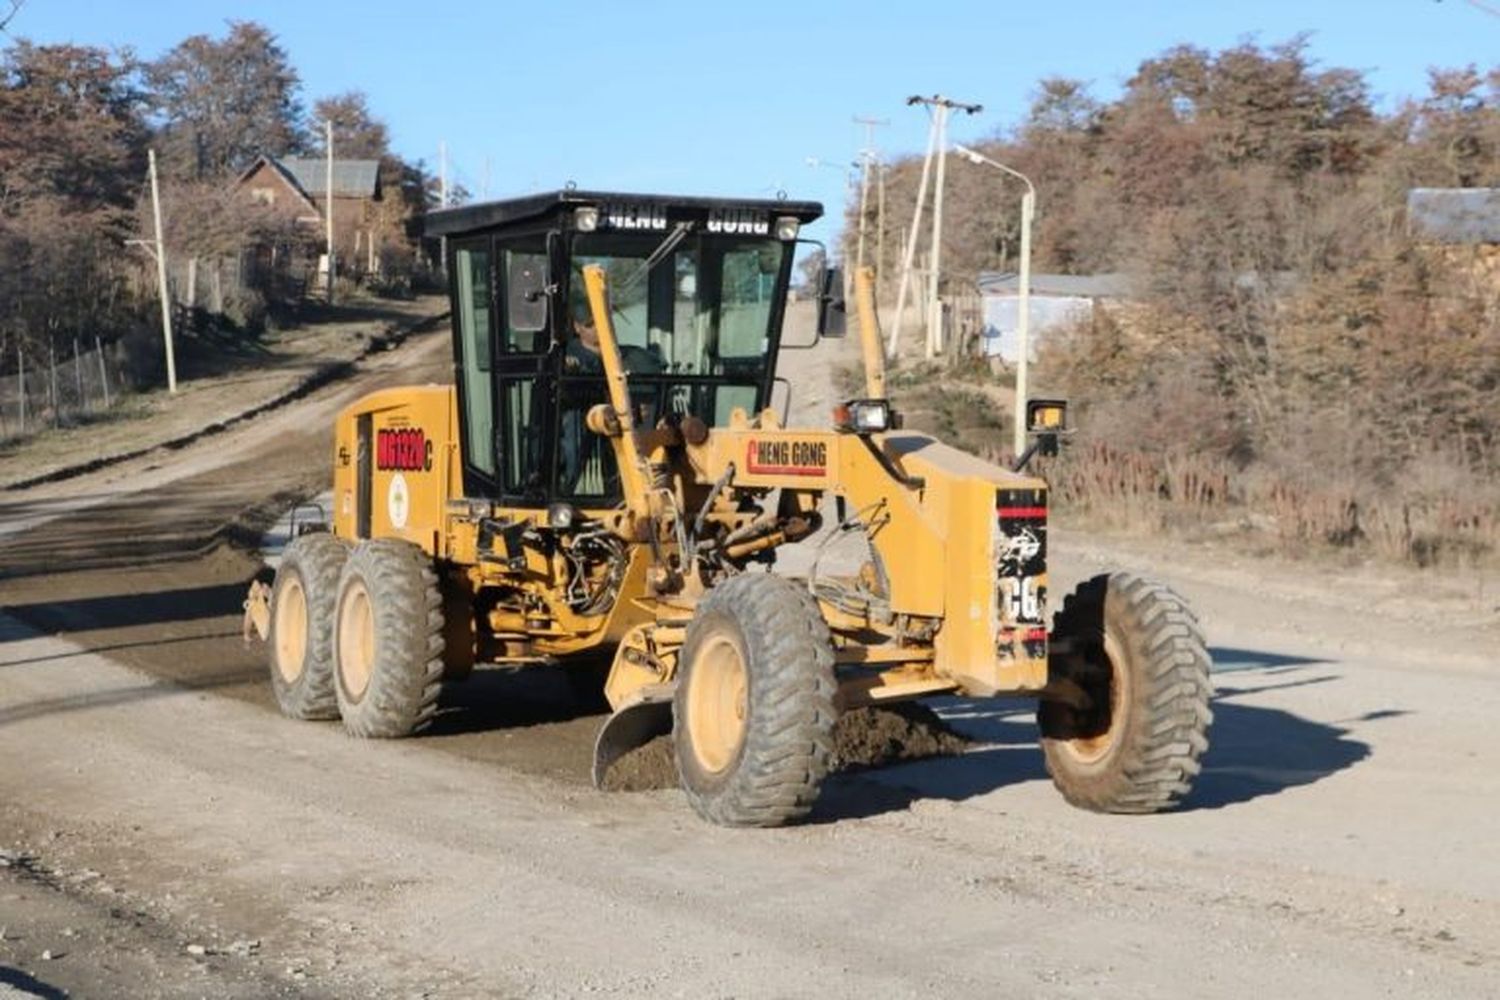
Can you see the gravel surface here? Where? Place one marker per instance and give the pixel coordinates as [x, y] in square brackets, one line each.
[166, 833]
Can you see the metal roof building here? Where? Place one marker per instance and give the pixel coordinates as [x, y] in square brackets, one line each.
[1110, 285]
[1057, 301]
[351, 178]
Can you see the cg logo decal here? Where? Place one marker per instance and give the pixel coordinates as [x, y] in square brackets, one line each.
[398, 501]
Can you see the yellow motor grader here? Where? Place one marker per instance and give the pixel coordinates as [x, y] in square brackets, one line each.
[609, 475]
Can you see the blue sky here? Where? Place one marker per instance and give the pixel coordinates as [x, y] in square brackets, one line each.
[732, 98]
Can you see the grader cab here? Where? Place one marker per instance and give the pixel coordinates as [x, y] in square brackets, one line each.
[609, 475]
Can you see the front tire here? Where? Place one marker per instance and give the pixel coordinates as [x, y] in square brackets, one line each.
[300, 643]
[753, 715]
[388, 641]
[1137, 652]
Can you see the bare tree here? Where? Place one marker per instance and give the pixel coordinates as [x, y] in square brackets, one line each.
[221, 102]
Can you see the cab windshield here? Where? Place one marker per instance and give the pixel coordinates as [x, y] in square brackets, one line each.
[692, 315]
[684, 305]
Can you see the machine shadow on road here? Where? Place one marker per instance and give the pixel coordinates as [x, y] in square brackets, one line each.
[1254, 751]
[122, 696]
[515, 699]
[27, 985]
[104, 650]
[186, 639]
[118, 611]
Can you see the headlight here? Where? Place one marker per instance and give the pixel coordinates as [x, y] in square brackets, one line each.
[863, 416]
[1043, 415]
[586, 218]
[560, 516]
[786, 227]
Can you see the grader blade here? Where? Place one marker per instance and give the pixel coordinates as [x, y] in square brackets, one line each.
[634, 725]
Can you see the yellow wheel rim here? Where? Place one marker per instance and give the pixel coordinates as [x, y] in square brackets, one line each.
[718, 703]
[1091, 749]
[356, 639]
[290, 616]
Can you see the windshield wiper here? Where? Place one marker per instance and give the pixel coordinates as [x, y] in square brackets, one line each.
[665, 247]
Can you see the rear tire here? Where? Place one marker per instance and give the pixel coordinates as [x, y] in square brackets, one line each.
[388, 640]
[753, 715]
[300, 643]
[1139, 654]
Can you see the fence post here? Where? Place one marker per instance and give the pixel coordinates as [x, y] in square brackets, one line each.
[192, 284]
[52, 377]
[103, 372]
[21, 383]
[218, 286]
[78, 374]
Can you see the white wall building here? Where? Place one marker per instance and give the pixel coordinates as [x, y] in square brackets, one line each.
[1057, 300]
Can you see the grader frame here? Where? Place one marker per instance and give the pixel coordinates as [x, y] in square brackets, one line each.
[456, 542]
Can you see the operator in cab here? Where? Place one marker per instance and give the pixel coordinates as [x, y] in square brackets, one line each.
[581, 351]
[586, 462]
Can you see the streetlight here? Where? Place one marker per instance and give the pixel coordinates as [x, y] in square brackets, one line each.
[1023, 306]
[848, 172]
[818, 161]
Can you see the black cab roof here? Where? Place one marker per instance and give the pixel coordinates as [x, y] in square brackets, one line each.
[617, 210]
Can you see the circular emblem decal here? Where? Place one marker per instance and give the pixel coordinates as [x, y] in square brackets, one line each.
[398, 501]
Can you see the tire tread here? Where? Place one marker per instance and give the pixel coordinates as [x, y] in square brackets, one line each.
[406, 677]
[1158, 752]
[318, 558]
[789, 742]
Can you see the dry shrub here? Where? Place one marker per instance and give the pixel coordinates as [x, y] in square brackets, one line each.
[1134, 490]
[1438, 514]
[1436, 510]
[1295, 358]
[1358, 418]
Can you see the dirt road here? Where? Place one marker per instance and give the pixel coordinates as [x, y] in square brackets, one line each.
[165, 833]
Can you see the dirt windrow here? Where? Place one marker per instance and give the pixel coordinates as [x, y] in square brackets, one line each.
[863, 738]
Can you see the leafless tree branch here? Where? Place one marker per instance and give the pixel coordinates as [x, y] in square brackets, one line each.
[15, 8]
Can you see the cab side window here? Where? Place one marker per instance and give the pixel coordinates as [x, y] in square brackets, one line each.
[472, 264]
[525, 338]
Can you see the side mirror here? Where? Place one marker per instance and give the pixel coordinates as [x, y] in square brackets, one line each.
[832, 310]
[526, 293]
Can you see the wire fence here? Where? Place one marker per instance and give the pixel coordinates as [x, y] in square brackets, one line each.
[75, 379]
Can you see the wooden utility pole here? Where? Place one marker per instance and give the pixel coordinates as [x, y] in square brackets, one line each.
[934, 302]
[328, 201]
[879, 227]
[443, 198]
[943, 108]
[911, 246]
[161, 278]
